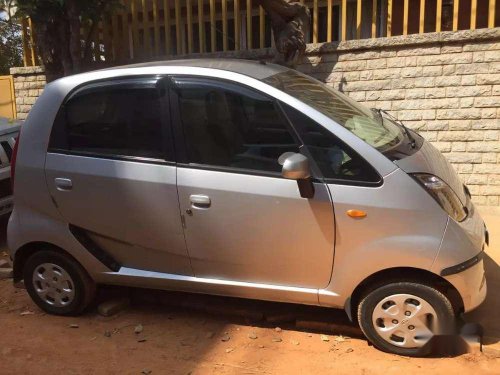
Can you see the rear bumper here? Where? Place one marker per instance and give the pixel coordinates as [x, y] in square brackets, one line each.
[471, 284]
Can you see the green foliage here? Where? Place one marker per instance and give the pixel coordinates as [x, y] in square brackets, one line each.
[11, 49]
[57, 25]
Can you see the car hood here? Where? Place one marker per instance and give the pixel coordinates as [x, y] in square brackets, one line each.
[429, 160]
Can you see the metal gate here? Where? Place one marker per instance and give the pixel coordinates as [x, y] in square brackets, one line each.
[7, 98]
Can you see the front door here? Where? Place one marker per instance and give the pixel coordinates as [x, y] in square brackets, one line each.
[111, 173]
[243, 221]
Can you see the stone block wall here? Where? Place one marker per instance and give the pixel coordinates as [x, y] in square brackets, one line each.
[28, 85]
[444, 85]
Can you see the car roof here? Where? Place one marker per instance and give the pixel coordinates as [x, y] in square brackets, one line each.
[255, 69]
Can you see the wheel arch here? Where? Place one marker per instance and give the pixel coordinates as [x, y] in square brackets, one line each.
[28, 249]
[418, 275]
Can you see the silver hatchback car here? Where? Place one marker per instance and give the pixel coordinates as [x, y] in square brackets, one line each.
[244, 179]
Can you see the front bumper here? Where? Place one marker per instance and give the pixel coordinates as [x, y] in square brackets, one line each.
[471, 284]
[460, 258]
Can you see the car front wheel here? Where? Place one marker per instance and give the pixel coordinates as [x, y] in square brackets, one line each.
[402, 317]
[57, 283]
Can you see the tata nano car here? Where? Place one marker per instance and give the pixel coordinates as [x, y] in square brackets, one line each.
[244, 179]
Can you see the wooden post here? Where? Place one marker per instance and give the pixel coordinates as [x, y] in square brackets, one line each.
[145, 27]
[237, 25]
[156, 27]
[249, 25]
[421, 26]
[213, 39]
[24, 32]
[358, 19]
[315, 21]
[473, 12]
[329, 24]
[439, 10]
[491, 14]
[224, 25]
[166, 22]
[189, 20]
[405, 17]
[389, 18]
[374, 19]
[201, 26]
[344, 19]
[178, 26]
[32, 43]
[135, 30]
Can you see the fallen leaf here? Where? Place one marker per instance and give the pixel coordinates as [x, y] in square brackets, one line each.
[325, 338]
[27, 313]
[229, 350]
[278, 329]
[74, 325]
[225, 338]
[252, 335]
[294, 342]
[277, 339]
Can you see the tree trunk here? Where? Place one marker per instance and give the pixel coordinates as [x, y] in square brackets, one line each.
[290, 21]
[73, 12]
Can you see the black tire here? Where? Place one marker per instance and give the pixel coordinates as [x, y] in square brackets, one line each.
[83, 286]
[439, 302]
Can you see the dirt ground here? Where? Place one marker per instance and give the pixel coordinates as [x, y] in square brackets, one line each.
[181, 337]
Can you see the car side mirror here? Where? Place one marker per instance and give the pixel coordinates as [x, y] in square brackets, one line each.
[296, 167]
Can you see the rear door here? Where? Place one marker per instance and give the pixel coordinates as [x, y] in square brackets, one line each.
[111, 173]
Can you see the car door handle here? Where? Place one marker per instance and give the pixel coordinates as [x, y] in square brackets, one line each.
[63, 184]
[200, 201]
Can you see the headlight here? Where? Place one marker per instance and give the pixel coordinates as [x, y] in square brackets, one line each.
[443, 194]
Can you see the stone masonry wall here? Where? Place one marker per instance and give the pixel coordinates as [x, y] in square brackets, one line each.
[28, 85]
[444, 85]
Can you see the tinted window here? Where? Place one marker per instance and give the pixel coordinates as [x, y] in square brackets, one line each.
[114, 121]
[334, 158]
[226, 128]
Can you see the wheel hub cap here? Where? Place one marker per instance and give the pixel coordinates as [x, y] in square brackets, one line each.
[405, 320]
[53, 285]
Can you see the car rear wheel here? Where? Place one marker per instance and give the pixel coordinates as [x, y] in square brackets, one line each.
[402, 317]
[57, 283]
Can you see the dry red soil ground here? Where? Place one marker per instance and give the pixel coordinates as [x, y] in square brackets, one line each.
[184, 340]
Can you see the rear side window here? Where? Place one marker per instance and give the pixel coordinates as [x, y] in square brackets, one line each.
[119, 120]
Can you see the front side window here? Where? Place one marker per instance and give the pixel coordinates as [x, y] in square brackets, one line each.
[116, 120]
[333, 157]
[232, 127]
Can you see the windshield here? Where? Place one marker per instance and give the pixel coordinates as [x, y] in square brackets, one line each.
[366, 124]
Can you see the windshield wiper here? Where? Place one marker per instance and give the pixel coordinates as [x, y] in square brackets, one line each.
[382, 112]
